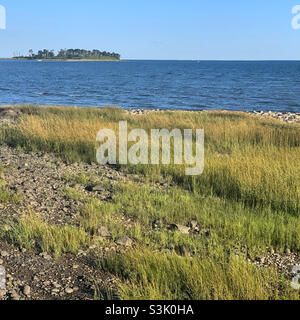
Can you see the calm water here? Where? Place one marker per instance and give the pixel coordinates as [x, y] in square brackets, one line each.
[154, 84]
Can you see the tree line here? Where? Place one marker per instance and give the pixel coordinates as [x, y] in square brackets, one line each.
[71, 54]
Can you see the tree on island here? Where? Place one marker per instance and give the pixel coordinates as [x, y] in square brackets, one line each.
[65, 54]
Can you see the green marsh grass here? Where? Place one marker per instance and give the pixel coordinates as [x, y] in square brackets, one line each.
[248, 197]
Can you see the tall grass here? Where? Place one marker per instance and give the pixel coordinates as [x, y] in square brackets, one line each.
[248, 198]
[152, 275]
[31, 232]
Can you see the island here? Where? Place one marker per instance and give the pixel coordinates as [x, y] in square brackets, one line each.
[71, 55]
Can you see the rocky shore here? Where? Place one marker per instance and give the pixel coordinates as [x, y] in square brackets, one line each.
[289, 117]
[40, 180]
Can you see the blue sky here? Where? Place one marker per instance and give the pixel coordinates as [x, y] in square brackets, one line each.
[155, 29]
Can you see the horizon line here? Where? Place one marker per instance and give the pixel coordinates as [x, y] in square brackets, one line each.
[148, 59]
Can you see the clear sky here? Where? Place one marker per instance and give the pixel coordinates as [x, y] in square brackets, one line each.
[155, 29]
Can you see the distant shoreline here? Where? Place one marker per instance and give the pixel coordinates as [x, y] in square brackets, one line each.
[62, 60]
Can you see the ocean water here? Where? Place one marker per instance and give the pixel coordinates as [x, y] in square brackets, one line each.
[196, 85]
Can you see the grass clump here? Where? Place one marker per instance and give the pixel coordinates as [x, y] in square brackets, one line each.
[83, 179]
[31, 232]
[156, 276]
[7, 196]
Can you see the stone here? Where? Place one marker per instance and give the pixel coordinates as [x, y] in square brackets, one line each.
[180, 228]
[193, 224]
[54, 291]
[69, 290]
[9, 113]
[56, 285]
[45, 255]
[4, 254]
[124, 241]
[156, 224]
[103, 232]
[14, 295]
[96, 188]
[3, 293]
[26, 290]
[262, 260]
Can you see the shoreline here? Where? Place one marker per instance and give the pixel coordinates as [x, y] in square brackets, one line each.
[62, 60]
[287, 117]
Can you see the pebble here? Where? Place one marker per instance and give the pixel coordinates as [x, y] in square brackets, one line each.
[193, 224]
[180, 228]
[45, 255]
[3, 293]
[69, 290]
[4, 254]
[103, 232]
[27, 290]
[124, 241]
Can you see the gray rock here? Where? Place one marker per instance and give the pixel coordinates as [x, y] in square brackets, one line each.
[97, 188]
[4, 254]
[180, 228]
[3, 293]
[9, 113]
[103, 232]
[193, 224]
[14, 295]
[56, 285]
[27, 290]
[45, 255]
[69, 290]
[124, 241]
[55, 291]
[156, 224]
